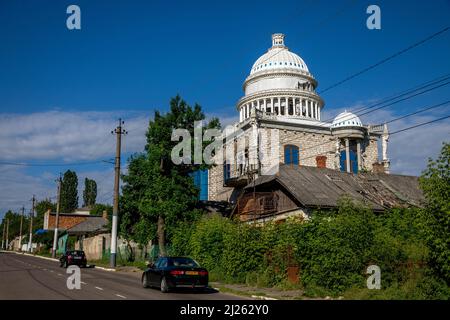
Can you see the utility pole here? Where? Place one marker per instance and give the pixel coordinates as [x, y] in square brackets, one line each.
[21, 224]
[7, 234]
[3, 235]
[118, 132]
[30, 241]
[58, 201]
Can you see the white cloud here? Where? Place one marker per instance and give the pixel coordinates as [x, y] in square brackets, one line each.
[66, 135]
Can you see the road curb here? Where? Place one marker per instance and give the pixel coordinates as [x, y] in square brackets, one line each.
[51, 259]
[263, 298]
[32, 255]
[106, 269]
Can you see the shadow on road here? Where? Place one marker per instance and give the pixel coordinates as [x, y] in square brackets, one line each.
[189, 290]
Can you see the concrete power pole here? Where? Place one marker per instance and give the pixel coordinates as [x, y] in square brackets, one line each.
[21, 225]
[3, 236]
[118, 132]
[7, 234]
[58, 202]
[30, 241]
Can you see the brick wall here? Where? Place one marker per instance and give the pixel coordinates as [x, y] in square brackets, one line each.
[65, 221]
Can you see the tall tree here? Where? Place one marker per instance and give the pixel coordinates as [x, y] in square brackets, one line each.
[89, 193]
[157, 191]
[435, 183]
[69, 192]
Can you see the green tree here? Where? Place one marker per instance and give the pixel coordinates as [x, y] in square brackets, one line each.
[14, 224]
[69, 192]
[435, 183]
[156, 190]
[41, 208]
[89, 193]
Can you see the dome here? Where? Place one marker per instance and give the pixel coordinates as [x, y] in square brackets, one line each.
[346, 119]
[278, 57]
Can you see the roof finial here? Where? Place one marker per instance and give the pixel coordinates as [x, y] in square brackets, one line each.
[278, 40]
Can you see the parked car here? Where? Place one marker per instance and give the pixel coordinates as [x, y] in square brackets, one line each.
[175, 272]
[73, 257]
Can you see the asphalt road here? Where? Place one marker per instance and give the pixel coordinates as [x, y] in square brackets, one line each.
[28, 277]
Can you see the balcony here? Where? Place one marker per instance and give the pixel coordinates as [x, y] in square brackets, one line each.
[240, 176]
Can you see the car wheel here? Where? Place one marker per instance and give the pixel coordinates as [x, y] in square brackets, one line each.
[164, 286]
[145, 283]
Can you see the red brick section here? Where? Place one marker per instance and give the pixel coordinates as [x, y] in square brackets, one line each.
[65, 222]
[321, 161]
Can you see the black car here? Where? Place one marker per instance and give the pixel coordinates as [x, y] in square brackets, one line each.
[73, 257]
[175, 272]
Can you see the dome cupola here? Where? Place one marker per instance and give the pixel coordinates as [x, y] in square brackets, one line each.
[346, 119]
[280, 85]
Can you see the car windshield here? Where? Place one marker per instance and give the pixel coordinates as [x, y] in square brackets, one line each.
[183, 262]
[77, 253]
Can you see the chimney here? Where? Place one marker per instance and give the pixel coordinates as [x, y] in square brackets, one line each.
[321, 161]
[378, 167]
[105, 214]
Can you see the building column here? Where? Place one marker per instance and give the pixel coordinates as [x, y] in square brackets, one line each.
[265, 105]
[318, 108]
[358, 154]
[308, 103]
[315, 111]
[240, 114]
[347, 154]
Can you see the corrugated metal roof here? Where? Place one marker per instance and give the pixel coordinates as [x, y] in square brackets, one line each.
[321, 187]
[91, 224]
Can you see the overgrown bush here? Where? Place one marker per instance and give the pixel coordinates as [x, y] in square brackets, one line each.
[332, 249]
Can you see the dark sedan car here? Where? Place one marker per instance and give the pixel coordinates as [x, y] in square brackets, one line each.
[73, 257]
[175, 272]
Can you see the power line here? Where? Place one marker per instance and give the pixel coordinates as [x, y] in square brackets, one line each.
[419, 125]
[406, 92]
[385, 60]
[407, 98]
[24, 164]
[392, 120]
[419, 111]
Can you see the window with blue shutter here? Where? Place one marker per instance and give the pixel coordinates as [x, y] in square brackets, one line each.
[291, 155]
[226, 171]
[201, 182]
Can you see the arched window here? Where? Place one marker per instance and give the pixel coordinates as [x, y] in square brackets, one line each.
[291, 155]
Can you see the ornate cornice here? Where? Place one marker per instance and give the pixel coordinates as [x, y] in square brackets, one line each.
[279, 73]
[280, 93]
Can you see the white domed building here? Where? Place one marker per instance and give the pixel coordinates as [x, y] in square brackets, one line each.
[280, 104]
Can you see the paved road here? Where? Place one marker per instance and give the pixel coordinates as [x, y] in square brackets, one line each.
[28, 277]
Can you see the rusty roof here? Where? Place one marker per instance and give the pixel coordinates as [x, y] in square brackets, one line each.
[322, 187]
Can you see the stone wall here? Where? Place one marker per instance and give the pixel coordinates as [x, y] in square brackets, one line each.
[311, 143]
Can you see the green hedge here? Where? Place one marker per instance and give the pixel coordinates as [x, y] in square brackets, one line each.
[332, 249]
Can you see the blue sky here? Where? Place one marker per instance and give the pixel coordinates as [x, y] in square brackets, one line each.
[61, 91]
